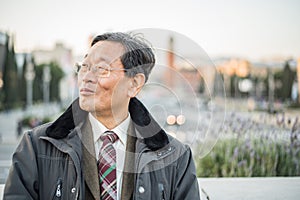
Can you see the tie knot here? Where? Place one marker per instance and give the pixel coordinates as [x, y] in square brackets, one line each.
[109, 136]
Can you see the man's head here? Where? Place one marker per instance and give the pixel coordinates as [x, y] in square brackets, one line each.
[114, 70]
[138, 56]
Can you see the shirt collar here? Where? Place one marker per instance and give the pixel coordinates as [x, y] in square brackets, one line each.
[98, 128]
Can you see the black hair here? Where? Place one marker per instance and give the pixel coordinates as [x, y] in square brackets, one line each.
[138, 56]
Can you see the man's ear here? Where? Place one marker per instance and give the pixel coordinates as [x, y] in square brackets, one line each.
[136, 84]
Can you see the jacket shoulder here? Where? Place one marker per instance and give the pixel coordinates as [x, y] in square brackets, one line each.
[38, 131]
[41, 130]
[178, 145]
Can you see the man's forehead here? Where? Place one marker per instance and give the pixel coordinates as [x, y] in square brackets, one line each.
[105, 50]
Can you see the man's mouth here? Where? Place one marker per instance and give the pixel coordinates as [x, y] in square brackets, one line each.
[86, 91]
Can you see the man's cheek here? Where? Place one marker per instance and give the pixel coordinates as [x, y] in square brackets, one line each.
[105, 84]
[79, 81]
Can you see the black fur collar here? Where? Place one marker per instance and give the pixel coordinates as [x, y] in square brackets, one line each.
[154, 136]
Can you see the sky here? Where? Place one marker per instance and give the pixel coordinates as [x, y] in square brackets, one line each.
[253, 29]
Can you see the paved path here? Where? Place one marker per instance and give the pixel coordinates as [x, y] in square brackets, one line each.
[9, 119]
[273, 188]
[8, 132]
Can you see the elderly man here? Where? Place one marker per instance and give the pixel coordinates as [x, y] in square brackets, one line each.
[106, 145]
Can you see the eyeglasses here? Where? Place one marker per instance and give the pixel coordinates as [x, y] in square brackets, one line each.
[100, 70]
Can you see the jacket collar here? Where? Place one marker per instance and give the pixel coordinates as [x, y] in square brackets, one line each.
[147, 128]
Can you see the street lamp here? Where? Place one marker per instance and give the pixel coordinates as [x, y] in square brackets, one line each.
[46, 84]
[29, 76]
[271, 90]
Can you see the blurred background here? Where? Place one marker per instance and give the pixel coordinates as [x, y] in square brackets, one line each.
[226, 81]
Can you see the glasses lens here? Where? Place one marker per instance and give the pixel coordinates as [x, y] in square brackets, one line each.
[99, 71]
[103, 71]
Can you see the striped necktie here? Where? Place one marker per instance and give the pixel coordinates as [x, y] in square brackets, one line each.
[107, 167]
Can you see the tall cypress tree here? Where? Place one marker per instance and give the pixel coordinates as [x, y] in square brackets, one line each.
[38, 82]
[10, 77]
[4, 48]
[56, 75]
[5, 72]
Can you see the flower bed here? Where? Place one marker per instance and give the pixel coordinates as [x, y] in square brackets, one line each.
[249, 149]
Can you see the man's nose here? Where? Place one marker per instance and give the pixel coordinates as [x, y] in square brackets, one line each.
[89, 76]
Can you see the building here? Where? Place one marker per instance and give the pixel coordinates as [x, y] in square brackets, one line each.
[64, 58]
[187, 73]
[272, 80]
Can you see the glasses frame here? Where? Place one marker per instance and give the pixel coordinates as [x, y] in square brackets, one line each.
[95, 69]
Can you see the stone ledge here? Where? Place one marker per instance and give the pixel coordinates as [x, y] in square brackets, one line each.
[269, 188]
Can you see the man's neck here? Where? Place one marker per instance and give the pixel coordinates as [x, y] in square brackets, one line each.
[111, 121]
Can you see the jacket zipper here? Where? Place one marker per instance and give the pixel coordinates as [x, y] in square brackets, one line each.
[74, 157]
[161, 191]
[58, 191]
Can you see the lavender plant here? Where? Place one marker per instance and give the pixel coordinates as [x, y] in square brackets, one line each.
[268, 145]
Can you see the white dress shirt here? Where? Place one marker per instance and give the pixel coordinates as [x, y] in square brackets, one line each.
[120, 145]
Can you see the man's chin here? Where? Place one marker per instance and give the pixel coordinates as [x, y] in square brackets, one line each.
[86, 104]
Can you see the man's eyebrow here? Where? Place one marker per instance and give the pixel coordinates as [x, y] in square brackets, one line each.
[102, 58]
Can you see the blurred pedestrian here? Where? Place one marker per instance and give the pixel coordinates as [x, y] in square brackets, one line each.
[19, 127]
[106, 145]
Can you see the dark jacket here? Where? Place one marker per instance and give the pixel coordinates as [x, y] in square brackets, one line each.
[57, 161]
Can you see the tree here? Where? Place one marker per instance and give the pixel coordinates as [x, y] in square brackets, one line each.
[38, 82]
[56, 75]
[10, 77]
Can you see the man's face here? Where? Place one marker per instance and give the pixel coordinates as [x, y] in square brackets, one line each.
[104, 95]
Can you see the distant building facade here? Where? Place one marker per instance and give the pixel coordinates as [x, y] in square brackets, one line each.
[64, 58]
[272, 80]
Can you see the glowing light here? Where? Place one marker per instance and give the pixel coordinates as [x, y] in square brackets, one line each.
[180, 120]
[171, 119]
